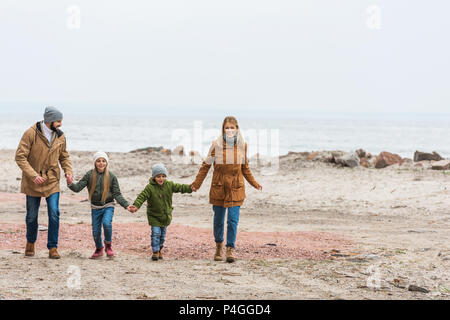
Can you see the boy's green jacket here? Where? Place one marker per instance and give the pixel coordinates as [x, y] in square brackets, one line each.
[97, 195]
[159, 201]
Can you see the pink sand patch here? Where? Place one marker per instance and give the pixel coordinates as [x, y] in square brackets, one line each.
[184, 242]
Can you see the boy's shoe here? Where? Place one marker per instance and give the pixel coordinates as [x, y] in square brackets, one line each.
[29, 249]
[229, 254]
[53, 254]
[155, 256]
[108, 249]
[160, 256]
[98, 253]
[219, 251]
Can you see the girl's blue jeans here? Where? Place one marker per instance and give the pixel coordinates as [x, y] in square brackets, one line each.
[102, 217]
[158, 238]
[232, 224]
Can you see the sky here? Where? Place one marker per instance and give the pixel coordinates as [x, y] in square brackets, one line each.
[264, 56]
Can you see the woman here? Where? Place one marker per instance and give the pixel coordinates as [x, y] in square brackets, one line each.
[229, 155]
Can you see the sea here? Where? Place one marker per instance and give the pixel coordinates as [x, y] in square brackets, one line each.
[267, 133]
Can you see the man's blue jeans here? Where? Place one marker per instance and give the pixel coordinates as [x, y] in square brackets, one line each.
[102, 217]
[158, 238]
[232, 224]
[31, 219]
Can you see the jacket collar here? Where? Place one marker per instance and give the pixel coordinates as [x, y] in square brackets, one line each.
[230, 141]
[98, 173]
[156, 183]
[59, 133]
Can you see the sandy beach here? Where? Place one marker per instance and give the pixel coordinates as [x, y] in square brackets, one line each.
[316, 231]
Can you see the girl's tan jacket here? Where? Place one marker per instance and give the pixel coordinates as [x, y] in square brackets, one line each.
[37, 157]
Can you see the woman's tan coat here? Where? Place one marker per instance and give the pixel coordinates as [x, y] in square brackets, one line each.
[230, 168]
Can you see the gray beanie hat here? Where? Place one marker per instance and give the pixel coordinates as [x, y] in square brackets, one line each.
[159, 168]
[52, 114]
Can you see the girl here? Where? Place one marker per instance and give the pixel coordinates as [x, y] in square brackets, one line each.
[158, 194]
[229, 155]
[103, 188]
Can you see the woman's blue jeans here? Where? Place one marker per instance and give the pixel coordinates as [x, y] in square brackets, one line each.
[102, 217]
[31, 220]
[232, 224]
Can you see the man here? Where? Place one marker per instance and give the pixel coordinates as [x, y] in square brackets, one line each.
[41, 148]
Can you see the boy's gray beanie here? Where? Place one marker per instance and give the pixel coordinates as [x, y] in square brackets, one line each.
[159, 168]
[52, 114]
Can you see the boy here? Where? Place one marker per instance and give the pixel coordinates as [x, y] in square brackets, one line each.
[158, 194]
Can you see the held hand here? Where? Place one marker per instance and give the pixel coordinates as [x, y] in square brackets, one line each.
[193, 188]
[132, 209]
[39, 180]
[69, 179]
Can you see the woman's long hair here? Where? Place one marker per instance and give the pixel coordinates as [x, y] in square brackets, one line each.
[219, 144]
[229, 119]
[106, 183]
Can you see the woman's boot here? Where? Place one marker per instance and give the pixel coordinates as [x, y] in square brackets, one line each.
[219, 251]
[229, 254]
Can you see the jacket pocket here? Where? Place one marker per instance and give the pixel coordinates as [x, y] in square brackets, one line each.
[238, 182]
[238, 190]
[217, 191]
[51, 177]
[53, 174]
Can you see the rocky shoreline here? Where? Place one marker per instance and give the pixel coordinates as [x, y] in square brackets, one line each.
[385, 159]
[357, 158]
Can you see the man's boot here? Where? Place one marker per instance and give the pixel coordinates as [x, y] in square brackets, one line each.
[29, 249]
[53, 254]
